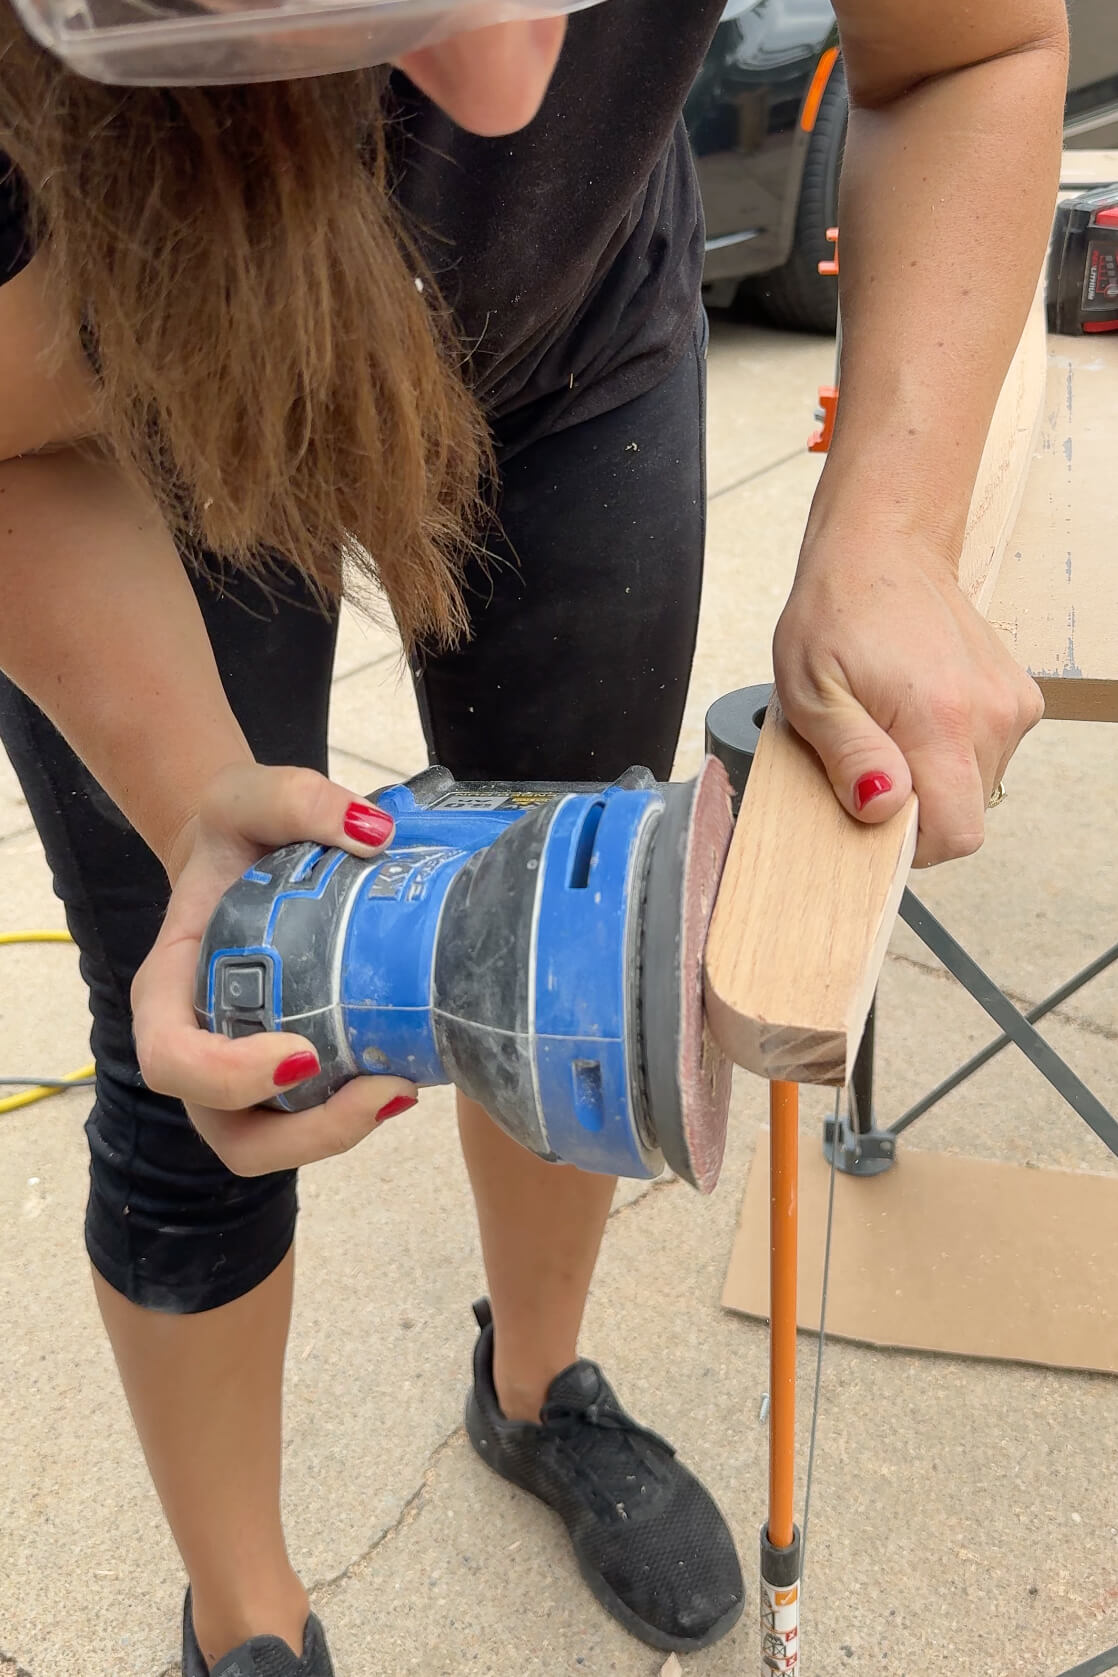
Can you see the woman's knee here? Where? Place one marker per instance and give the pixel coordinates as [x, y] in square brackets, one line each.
[167, 1225]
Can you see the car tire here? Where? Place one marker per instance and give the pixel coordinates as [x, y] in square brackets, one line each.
[798, 296]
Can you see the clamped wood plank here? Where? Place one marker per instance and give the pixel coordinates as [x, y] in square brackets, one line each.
[1080, 170]
[1055, 598]
[809, 895]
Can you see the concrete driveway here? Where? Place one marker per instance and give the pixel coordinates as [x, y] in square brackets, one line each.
[965, 1514]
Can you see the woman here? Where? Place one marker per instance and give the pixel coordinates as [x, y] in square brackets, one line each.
[332, 317]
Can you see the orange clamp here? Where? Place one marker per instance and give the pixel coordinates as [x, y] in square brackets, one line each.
[820, 441]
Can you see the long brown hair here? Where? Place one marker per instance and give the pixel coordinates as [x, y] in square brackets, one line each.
[274, 363]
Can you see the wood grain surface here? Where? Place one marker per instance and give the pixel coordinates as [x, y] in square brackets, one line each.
[1056, 601]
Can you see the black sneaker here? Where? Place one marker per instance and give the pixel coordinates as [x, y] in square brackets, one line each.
[263, 1656]
[650, 1540]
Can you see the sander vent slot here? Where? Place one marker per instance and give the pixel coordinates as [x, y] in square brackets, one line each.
[582, 852]
[586, 1077]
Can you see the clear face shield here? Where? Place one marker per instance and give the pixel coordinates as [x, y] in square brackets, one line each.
[199, 43]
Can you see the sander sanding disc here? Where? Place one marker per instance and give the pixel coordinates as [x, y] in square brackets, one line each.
[686, 1075]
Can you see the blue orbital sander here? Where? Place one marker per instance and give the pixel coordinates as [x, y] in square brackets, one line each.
[540, 946]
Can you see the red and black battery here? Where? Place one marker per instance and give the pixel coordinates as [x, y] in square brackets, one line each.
[1083, 264]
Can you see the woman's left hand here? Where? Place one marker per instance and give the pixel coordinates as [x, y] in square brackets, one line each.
[896, 681]
[247, 810]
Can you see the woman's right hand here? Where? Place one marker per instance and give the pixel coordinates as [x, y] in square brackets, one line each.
[247, 811]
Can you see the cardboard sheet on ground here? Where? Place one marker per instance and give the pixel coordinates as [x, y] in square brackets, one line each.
[943, 1253]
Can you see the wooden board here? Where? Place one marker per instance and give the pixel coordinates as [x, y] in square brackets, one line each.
[1080, 170]
[804, 913]
[1004, 471]
[970, 1257]
[809, 895]
[1056, 602]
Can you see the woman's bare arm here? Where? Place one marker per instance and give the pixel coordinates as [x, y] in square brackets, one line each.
[100, 626]
[98, 622]
[948, 190]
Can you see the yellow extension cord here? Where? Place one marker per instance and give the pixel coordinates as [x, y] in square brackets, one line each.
[11, 1103]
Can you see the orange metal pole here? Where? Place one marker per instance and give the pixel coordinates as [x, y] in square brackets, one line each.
[784, 1136]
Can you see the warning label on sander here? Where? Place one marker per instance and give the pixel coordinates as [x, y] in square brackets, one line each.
[495, 794]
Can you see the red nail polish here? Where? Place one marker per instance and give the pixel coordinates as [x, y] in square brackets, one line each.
[366, 825]
[295, 1069]
[402, 1103]
[871, 786]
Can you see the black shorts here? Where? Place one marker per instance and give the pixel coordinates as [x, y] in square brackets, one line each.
[584, 632]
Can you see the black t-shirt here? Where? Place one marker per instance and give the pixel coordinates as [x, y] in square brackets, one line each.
[571, 252]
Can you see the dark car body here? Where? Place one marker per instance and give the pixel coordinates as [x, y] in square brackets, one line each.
[743, 115]
[1091, 112]
[746, 117]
